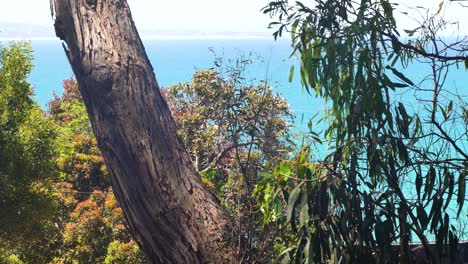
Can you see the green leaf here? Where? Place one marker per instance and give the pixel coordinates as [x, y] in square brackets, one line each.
[404, 125]
[400, 85]
[284, 169]
[411, 32]
[417, 126]
[388, 10]
[289, 249]
[395, 60]
[301, 171]
[264, 175]
[403, 112]
[461, 192]
[436, 212]
[441, 4]
[291, 73]
[294, 29]
[277, 206]
[304, 212]
[292, 202]
[451, 186]
[444, 113]
[430, 180]
[402, 152]
[379, 232]
[445, 228]
[400, 75]
[450, 106]
[422, 217]
[418, 183]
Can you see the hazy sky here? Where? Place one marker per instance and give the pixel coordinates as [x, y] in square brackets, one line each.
[225, 15]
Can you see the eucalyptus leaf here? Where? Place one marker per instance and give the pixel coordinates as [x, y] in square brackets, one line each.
[293, 196]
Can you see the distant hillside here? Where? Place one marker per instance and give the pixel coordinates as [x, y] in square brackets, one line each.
[27, 31]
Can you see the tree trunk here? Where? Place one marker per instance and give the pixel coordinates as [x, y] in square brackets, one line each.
[169, 211]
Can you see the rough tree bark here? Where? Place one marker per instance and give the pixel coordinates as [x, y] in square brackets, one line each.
[169, 211]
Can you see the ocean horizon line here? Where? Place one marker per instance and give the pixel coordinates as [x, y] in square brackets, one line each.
[152, 37]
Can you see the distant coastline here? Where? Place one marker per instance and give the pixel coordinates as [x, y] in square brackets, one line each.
[14, 31]
[151, 37]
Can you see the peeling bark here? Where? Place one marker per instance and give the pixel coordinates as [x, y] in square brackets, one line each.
[169, 211]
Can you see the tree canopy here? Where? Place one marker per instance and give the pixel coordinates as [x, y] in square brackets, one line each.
[27, 158]
[397, 166]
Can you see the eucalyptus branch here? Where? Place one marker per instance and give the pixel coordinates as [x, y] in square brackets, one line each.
[396, 40]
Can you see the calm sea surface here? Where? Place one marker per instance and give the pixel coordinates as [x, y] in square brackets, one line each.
[175, 60]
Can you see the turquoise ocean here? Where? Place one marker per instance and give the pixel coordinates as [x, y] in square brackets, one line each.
[175, 60]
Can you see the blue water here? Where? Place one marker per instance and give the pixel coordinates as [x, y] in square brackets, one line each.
[175, 60]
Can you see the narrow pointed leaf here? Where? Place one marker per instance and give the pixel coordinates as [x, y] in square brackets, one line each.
[292, 201]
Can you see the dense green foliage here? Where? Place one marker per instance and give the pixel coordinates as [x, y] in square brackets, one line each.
[233, 129]
[397, 167]
[55, 196]
[27, 155]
